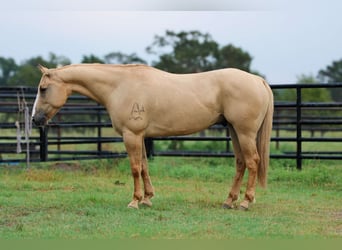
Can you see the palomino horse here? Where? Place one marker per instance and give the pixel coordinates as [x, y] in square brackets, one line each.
[144, 102]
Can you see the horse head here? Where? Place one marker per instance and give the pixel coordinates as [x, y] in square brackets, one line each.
[51, 96]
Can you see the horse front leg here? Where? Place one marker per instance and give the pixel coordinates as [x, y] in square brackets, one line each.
[148, 188]
[134, 145]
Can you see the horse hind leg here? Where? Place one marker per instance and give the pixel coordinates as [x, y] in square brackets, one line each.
[252, 159]
[240, 171]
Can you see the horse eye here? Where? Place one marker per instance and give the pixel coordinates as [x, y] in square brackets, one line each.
[42, 89]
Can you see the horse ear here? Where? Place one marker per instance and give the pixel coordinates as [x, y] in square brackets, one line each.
[43, 69]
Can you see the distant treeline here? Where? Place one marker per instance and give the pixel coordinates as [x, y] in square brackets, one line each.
[177, 52]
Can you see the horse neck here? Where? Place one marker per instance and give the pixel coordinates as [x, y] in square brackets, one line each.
[92, 81]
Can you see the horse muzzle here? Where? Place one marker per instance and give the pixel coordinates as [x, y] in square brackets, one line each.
[39, 119]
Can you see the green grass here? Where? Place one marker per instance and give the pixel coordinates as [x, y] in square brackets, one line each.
[82, 200]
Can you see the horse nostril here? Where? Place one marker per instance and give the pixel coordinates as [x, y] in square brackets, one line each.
[38, 121]
[34, 120]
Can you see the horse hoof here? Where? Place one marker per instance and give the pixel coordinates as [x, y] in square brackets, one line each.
[133, 204]
[227, 206]
[146, 203]
[244, 205]
[242, 208]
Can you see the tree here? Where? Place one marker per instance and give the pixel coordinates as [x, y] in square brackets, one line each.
[91, 59]
[313, 94]
[230, 56]
[121, 58]
[57, 61]
[333, 74]
[28, 74]
[308, 94]
[193, 51]
[8, 67]
[184, 52]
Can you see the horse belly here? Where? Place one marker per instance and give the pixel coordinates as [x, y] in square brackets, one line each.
[182, 123]
[183, 112]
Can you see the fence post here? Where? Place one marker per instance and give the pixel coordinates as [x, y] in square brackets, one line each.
[99, 131]
[299, 127]
[43, 131]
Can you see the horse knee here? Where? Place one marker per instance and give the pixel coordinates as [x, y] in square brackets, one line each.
[136, 171]
[252, 167]
[240, 164]
[144, 172]
[252, 162]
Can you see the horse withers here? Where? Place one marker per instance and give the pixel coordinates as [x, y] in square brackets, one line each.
[145, 102]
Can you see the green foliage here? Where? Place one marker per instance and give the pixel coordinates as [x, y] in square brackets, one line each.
[188, 52]
[121, 58]
[28, 74]
[308, 94]
[313, 94]
[333, 74]
[114, 58]
[193, 51]
[8, 67]
[230, 56]
[91, 59]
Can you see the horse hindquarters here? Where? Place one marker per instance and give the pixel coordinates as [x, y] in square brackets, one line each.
[251, 141]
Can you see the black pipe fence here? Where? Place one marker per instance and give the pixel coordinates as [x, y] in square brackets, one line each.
[82, 130]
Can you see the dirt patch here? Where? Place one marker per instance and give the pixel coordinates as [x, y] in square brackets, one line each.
[337, 216]
[65, 166]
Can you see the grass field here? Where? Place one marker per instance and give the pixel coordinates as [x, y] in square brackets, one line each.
[87, 200]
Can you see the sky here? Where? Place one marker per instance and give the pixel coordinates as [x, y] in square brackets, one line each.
[285, 38]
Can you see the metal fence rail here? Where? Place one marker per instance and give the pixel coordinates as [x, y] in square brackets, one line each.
[299, 121]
